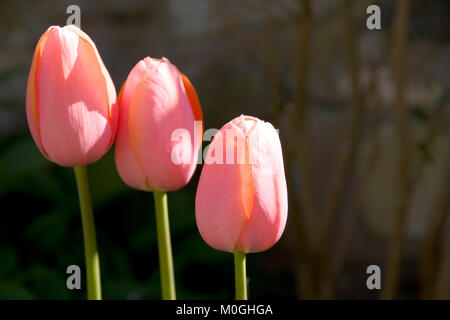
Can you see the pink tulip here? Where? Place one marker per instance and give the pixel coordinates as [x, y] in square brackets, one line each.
[71, 99]
[241, 202]
[157, 102]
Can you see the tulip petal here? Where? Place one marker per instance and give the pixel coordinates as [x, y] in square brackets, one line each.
[110, 89]
[269, 212]
[69, 49]
[129, 169]
[32, 98]
[225, 192]
[196, 108]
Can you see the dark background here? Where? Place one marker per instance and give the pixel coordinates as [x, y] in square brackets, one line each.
[363, 118]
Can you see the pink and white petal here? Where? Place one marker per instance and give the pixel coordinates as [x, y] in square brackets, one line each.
[224, 194]
[127, 166]
[269, 213]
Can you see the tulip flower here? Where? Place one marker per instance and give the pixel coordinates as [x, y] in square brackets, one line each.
[72, 115]
[241, 202]
[159, 136]
[155, 101]
[71, 99]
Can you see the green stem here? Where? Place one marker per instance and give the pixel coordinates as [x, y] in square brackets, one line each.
[240, 275]
[164, 246]
[90, 243]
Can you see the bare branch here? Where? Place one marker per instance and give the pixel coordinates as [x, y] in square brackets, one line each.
[346, 233]
[396, 248]
[431, 277]
[443, 279]
[349, 152]
[303, 148]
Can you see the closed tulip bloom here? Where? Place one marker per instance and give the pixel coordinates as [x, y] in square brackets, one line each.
[71, 100]
[158, 140]
[241, 202]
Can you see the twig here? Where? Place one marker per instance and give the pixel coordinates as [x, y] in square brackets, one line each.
[395, 254]
[273, 72]
[304, 278]
[346, 160]
[443, 279]
[431, 277]
[302, 265]
[350, 150]
[346, 233]
[303, 148]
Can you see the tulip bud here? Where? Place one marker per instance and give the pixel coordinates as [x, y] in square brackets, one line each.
[160, 127]
[71, 99]
[241, 202]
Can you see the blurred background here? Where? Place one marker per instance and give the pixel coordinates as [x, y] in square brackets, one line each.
[364, 123]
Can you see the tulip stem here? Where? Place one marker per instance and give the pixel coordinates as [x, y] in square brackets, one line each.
[164, 246]
[240, 275]
[90, 243]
